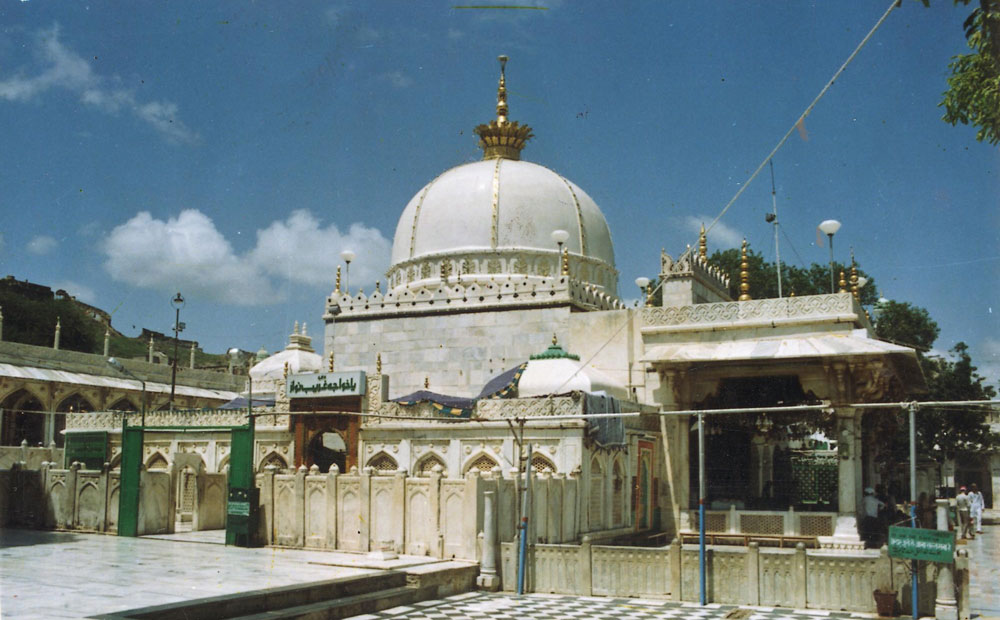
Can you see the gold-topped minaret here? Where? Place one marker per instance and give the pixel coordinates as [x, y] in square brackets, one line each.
[502, 138]
[744, 274]
[703, 243]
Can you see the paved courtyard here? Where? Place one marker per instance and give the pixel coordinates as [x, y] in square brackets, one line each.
[71, 575]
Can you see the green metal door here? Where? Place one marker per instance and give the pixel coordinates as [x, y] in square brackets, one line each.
[128, 493]
[243, 501]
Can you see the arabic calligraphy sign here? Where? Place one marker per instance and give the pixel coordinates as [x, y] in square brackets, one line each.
[315, 385]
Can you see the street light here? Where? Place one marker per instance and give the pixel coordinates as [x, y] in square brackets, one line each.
[830, 228]
[560, 236]
[114, 363]
[642, 283]
[177, 302]
[347, 256]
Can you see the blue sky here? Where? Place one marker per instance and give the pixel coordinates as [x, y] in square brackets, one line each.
[231, 150]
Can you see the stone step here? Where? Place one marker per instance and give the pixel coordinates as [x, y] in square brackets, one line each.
[347, 606]
[256, 601]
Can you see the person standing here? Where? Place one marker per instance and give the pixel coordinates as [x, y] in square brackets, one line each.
[870, 524]
[962, 507]
[976, 505]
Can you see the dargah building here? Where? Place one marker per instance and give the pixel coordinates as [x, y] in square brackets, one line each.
[499, 327]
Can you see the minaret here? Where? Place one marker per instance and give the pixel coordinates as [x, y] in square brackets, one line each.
[55, 342]
[107, 341]
[150, 360]
[502, 138]
[192, 356]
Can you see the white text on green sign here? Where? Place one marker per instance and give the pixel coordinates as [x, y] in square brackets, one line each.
[326, 384]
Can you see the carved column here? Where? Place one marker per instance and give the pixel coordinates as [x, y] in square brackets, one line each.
[488, 578]
[848, 479]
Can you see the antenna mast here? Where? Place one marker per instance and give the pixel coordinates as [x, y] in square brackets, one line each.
[774, 220]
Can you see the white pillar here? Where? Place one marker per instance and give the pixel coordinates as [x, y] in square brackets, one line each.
[845, 534]
[488, 578]
[107, 341]
[192, 356]
[945, 605]
[150, 360]
[55, 342]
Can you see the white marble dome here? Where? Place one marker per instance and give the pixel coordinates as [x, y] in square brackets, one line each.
[495, 217]
[557, 372]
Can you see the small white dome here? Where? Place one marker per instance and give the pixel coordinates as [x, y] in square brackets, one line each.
[558, 372]
[299, 355]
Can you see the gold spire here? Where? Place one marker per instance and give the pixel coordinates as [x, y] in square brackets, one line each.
[855, 289]
[378, 363]
[285, 372]
[702, 243]
[502, 138]
[330, 364]
[555, 340]
[565, 262]
[427, 382]
[337, 290]
[649, 295]
[744, 274]
[842, 283]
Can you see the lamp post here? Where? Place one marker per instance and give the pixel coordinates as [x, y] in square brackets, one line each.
[642, 283]
[830, 228]
[114, 363]
[177, 302]
[347, 256]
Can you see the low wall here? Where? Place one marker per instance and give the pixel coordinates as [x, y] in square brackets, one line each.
[210, 502]
[431, 515]
[29, 458]
[80, 499]
[777, 523]
[796, 578]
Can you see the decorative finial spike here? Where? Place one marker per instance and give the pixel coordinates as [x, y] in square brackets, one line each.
[378, 363]
[565, 262]
[427, 382]
[336, 291]
[842, 283]
[378, 286]
[744, 274]
[649, 295]
[555, 341]
[329, 365]
[502, 92]
[703, 243]
[295, 328]
[502, 138]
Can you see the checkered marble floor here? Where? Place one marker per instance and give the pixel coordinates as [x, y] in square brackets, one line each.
[551, 606]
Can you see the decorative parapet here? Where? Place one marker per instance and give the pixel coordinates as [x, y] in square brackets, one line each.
[694, 265]
[497, 293]
[510, 408]
[838, 307]
[112, 420]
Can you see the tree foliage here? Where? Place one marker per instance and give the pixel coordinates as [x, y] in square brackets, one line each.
[973, 95]
[906, 324]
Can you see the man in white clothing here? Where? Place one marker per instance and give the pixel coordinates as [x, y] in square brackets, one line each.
[976, 506]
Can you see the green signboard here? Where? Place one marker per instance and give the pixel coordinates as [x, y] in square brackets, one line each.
[313, 385]
[918, 544]
[240, 509]
[90, 448]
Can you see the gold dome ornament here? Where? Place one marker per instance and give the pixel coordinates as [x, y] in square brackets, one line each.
[744, 274]
[502, 138]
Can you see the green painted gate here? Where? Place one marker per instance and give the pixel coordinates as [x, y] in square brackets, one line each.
[243, 505]
[128, 492]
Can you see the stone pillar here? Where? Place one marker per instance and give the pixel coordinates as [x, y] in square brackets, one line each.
[267, 504]
[753, 573]
[962, 584]
[107, 341]
[585, 566]
[488, 578]
[945, 605]
[192, 356]
[799, 577]
[55, 341]
[331, 506]
[676, 577]
[299, 527]
[150, 355]
[845, 534]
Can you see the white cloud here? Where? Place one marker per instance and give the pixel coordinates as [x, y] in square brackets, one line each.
[300, 249]
[720, 237]
[188, 253]
[42, 245]
[62, 68]
[397, 78]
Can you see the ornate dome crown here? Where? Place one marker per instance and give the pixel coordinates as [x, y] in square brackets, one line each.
[494, 219]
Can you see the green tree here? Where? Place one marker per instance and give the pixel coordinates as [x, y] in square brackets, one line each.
[973, 95]
[906, 324]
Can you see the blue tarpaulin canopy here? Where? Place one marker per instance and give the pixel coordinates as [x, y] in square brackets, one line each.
[500, 386]
[241, 402]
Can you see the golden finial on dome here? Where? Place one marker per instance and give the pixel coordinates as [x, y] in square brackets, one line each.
[842, 283]
[378, 286]
[330, 363]
[337, 290]
[649, 295]
[744, 274]
[378, 363]
[565, 262]
[285, 371]
[427, 382]
[502, 138]
[555, 341]
[703, 243]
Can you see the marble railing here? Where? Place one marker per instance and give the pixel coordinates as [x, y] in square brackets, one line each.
[112, 420]
[510, 291]
[733, 313]
[766, 522]
[749, 575]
